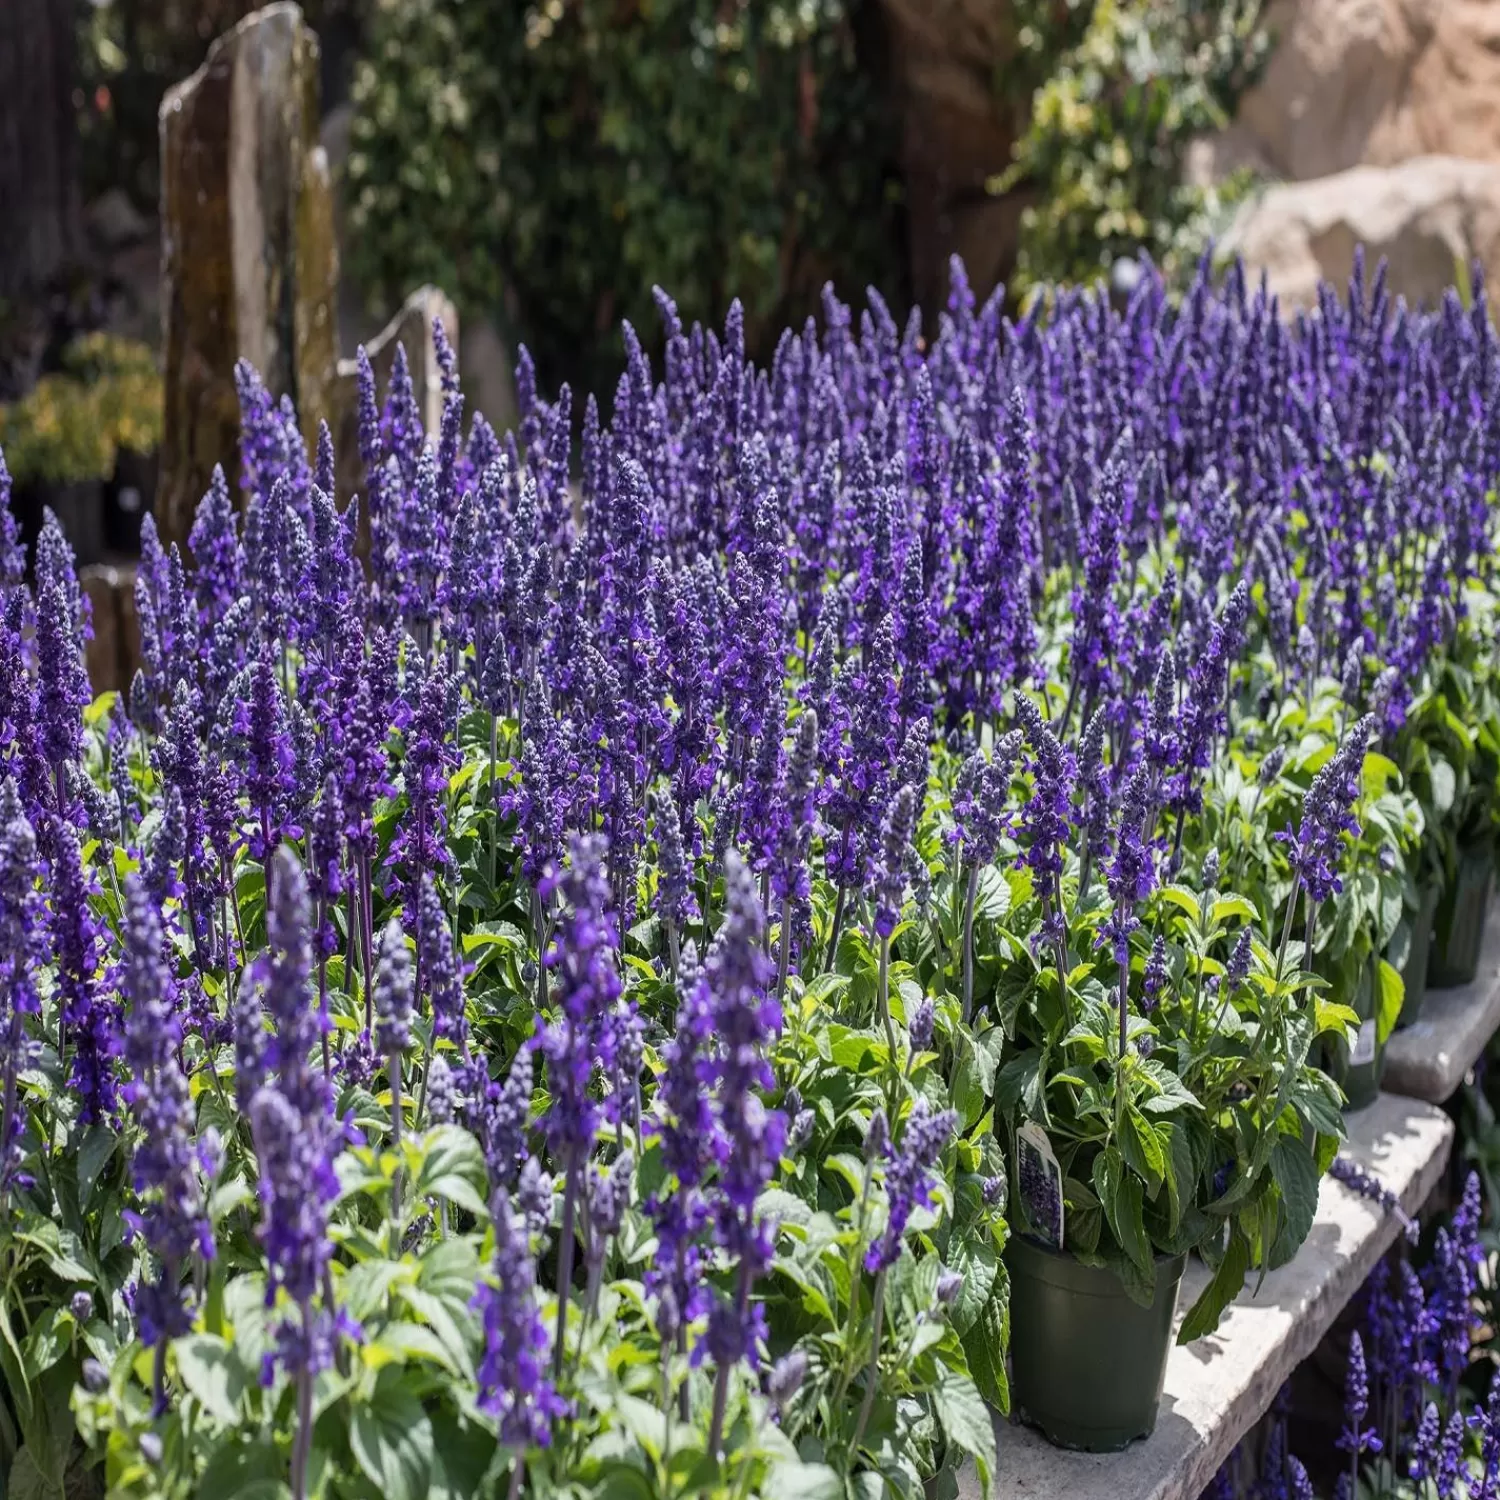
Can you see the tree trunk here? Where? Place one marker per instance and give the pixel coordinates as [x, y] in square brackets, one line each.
[38, 144]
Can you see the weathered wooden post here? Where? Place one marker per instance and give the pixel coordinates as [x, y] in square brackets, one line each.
[249, 263]
[410, 329]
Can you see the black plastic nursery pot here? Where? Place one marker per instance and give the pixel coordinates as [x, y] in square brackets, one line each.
[1087, 1363]
[1418, 956]
[1357, 1069]
[1458, 927]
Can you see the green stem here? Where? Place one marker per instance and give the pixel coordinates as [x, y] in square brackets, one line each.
[872, 1378]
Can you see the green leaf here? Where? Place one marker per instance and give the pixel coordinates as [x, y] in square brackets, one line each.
[1296, 1174]
[1233, 905]
[1444, 784]
[212, 1375]
[239, 1470]
[799, 1481]
[966, 1421]
[26, 1480]
[453, 1168]
[1120, 1193]
[1388, 1002]
[391, 1438]
[1182, 898]
[977, 1263]
[986, 1342]
[1203, 1317]
[992, 895]
[50, 1338]
[463, 1452]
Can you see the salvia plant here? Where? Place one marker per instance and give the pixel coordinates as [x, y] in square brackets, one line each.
[536, 986]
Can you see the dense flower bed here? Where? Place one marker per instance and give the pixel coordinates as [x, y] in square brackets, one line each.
[557, 1007]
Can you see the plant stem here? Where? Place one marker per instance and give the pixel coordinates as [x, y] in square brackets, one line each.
[565, 1264]
[784, 959]
[302, 1441]
[971, 890]
[883, 992]
[393, 1067]
[838, 923]
[872, 1379]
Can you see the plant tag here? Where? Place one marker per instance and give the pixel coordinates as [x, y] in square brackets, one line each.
[1363, 1051]
[1041, 1181]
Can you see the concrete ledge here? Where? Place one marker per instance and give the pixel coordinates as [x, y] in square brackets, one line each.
[1429, 1058]
[1219, 1387]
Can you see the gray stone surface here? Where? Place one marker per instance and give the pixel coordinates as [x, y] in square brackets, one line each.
[1428, 1059]
[249, 265]
[1218, 1387]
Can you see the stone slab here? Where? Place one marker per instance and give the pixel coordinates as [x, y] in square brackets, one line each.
[1220, 1386]
[1429, 1058]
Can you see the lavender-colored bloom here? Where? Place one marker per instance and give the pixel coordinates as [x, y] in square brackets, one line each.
[1045, 819]
[746, 1020]
[22, 950]
[393, 992]
[908, 1177]
[921, 1024]
[979, 800]
[169, 1164]
[1354, 1177]
[1357, 1438]
[1425, 1459]
[1156, 977]
[262, 724]
[1237, 971]
[90, 1017]
[675, 899]
[683, 1123]
[586, 981]
[294, 1132]
[442, 1092]
[514, 1387]
[1318, 846]
[218, 557]
[438, 972]
[888, 885]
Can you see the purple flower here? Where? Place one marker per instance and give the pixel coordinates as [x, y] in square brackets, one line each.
[746, 1020]
[218, 558]
[168, 1165]
[513, 1384]
[1327, 815]
[1356, 1438]
[22, 951]
[888, 883]
[583, 965]
[908, 1177]
[438, 974]
[393, 992]
[295, 1134]
[90, 1017]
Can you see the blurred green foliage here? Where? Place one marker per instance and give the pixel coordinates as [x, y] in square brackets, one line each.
[1135, 83]
[71, 424]
[557, 159]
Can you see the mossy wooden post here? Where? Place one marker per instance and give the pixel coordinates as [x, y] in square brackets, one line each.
[249, 263]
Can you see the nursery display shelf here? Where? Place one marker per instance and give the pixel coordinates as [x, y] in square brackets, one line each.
[1429, 1058]
[1220, 1386]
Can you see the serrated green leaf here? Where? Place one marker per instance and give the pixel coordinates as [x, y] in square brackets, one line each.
[212, 1374]
[966, 1421]
[391, 1438]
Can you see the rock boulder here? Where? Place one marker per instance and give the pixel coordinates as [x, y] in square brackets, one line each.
[1428, 217]
[1372, 82]
[249, 267]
